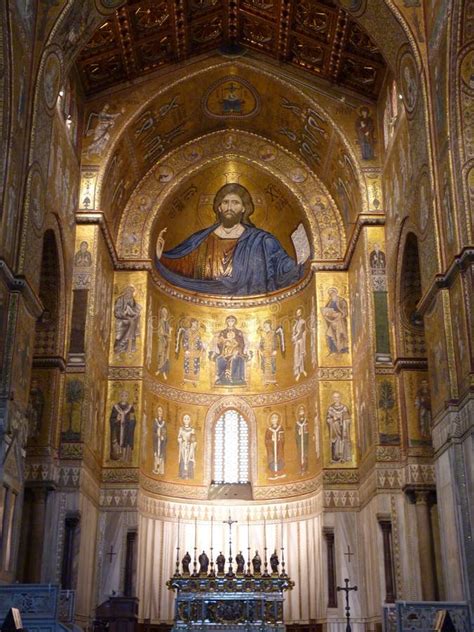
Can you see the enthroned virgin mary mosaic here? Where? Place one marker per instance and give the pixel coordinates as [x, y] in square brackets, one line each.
[232, 256]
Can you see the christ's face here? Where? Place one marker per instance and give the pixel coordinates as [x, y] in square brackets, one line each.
[231, 210]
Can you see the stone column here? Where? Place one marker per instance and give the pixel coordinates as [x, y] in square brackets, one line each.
[70, 527]
[331, 567]
[386, 527]
[422, 500]
[35, 552]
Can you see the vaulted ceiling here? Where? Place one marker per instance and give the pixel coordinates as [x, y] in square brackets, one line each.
[317, 36]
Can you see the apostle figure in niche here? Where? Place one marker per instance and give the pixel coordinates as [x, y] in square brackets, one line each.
[365, 133]
[186, 448]
[159, 442]
[83, 257]
[335, 314]
[270, 340]
[127, 321]
[35, 409]
[302, 439]
[164, 342]
[275, 444]
[423, 404]
[188, 338]
[298, 338]
[230, 257]
[229, 350]
[377, 260]
[220, 563]
[122, 429]
[338, 419]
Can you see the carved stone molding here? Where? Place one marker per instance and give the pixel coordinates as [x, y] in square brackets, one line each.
[206, 399]
[119, 498]
[254, 512]
[341, 499]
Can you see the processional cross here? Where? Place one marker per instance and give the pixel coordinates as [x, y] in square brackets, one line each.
[347, 590]
[111, 553]
[230, 522]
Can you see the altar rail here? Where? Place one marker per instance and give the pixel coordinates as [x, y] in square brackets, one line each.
[420, 616]
[43, 607]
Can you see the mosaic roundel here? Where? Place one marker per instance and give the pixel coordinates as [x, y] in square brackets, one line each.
[408, 78]
[51, 80]
[231, 97]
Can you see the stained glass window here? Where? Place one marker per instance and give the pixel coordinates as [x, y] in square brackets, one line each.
[231, 449]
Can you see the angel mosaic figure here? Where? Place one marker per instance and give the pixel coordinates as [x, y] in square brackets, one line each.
[188, 338]
[101, 132]
[298, 338]
[164, 342]
[159, 442]
[270, 340]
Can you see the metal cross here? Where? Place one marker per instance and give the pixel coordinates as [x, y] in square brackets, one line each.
[230, 522]
[111, 553]
[347, 590]
[349, 553]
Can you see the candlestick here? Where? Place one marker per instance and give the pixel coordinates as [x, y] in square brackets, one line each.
[212, 573]
[195, 547]
[177, 552]
[248, 543]
[265, 559]
[282, 548]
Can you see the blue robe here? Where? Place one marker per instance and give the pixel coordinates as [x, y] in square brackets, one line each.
[260, 265]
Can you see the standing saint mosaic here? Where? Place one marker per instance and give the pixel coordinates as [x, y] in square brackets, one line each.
[338, 419]
[186, 448]
[189, 339]
[270, 341]
[127, 314]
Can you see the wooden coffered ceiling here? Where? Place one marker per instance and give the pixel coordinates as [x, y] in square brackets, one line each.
[317, 36]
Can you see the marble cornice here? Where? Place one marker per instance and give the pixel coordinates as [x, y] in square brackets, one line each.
[49, 362]
[410, 364]
[460, 263]
[18, 283]
[452, 425]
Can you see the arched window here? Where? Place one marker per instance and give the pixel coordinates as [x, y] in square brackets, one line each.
[231, 449]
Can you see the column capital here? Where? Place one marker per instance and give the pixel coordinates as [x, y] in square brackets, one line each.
[420, 495]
